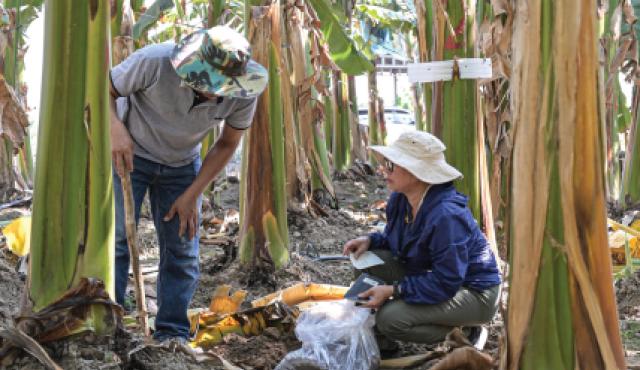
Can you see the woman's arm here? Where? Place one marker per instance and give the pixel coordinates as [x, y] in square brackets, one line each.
[449, 261]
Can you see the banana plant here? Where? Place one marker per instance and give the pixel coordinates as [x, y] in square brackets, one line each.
[335, 26]
[306, 61]
[425, 31]
[342, 49]
[630, 192]
[562, 310]
[618, 48]
[263, 226]
[72, 234]
[454, 102]
[16, 16]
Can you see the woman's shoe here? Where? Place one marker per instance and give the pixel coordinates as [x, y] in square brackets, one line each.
[389, 348]
[478, 336]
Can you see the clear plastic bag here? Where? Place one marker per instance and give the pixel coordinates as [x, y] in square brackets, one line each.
[335, 335]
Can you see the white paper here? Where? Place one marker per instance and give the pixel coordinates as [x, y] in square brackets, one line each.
[366, 260]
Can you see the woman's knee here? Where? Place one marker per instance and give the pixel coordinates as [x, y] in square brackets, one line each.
[390, 322]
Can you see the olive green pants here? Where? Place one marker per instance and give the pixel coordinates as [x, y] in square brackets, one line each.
[429, 323]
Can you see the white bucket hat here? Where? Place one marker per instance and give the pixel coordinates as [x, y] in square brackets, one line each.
[422, 154]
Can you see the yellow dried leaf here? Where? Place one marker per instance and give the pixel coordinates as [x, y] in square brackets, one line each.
[18, 234]
[617, 239]
[222, 302]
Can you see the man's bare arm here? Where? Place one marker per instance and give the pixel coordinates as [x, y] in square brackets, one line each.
[186, 205]
[121, 143]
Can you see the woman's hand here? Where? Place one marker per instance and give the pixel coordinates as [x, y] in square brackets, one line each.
[376, 296]
[356, 246]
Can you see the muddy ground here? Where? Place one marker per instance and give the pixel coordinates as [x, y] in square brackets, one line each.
[360, 199]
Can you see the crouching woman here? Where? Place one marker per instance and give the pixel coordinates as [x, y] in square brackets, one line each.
[439, 268]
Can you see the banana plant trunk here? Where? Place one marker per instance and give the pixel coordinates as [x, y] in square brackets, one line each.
[7, 176]
[72, 233]
[214, 11]
[415, 88]
[305, 95]
[630, 196]
[358, 150]
[454, 102]
[375, 137]
[263, 225]
[562, 311]
[424, 12]
[19, 173]
[329, 116]
[617, 116]
[341, 128]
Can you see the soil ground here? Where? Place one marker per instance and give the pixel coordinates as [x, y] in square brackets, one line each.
[361, 211]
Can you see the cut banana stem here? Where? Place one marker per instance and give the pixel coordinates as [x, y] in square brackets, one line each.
[303, 292]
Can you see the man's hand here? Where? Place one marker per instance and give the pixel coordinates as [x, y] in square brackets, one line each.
[121, 148]
[356, 246]
[121, 143]
[186, 209]
[376, 295]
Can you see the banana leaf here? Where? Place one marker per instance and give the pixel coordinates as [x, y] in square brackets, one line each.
[378, 15]
[392, 4]
[15, 3]
[136, 5]
[179, 9]
[342, 49]
[151, 16]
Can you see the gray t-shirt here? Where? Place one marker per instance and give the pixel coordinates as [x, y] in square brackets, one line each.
[159, 111]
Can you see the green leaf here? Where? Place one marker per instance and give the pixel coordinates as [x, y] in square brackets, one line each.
[28, 15]
[276, 246]
[14, 3]
[364, 45]
[387, 18]
[338, 11]
[136, 5]
[178, 6]
[150, 17]
[342, 49]
[246, 246]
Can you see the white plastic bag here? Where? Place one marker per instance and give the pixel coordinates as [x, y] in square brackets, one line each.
[335, 335]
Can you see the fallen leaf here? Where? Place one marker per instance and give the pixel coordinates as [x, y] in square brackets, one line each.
[465, 358]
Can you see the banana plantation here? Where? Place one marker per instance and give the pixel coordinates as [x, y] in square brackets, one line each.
[194, 184]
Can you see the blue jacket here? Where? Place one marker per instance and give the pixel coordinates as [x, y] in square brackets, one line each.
[442, 250]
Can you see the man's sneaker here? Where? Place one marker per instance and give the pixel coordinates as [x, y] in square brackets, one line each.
[478, 336]
[171, 341]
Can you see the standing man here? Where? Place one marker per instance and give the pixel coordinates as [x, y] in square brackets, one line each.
[164, 100]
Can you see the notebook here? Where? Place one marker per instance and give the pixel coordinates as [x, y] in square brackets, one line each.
[362, 284]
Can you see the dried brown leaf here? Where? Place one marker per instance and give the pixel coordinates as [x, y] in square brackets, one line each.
[530, 178]
[616, 22]
[21, 340]
[14, 120]
[500, 7]
[627, 10]
[465, 358]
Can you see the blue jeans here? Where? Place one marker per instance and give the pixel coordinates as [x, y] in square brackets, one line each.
[178, 270]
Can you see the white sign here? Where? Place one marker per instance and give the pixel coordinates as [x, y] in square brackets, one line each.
[467, 68]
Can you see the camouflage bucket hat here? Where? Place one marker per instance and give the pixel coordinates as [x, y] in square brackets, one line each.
[218, 61]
